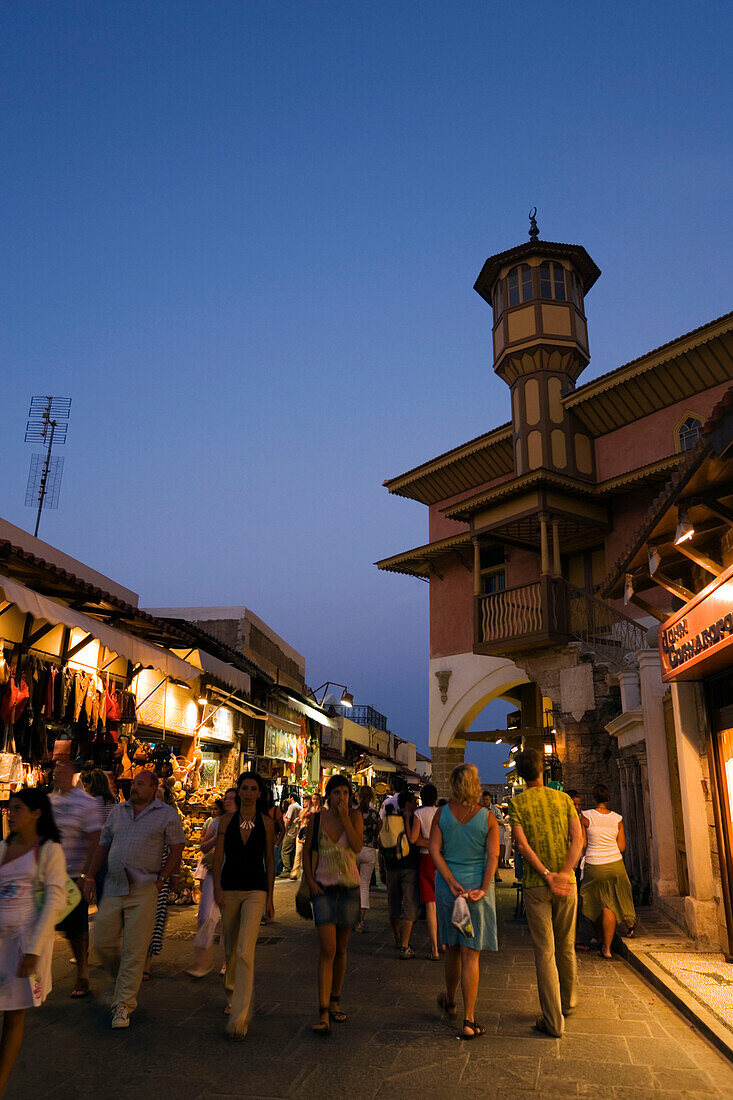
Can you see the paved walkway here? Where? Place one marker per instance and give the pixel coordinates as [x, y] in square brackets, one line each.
[623, 1042]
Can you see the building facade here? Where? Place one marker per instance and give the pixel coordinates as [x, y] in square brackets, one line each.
[524, 520]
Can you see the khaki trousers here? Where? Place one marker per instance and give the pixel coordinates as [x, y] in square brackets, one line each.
[122, 931]
[551, 921]
[240, 918]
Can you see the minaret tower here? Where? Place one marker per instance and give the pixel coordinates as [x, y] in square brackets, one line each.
[537, 292]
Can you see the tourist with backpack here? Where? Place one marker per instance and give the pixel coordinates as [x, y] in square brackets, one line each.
[398, 843]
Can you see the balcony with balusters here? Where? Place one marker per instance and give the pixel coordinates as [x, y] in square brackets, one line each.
[549, 612]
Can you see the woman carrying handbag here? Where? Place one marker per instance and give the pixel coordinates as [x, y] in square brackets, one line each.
[334, 889]
[32, 900]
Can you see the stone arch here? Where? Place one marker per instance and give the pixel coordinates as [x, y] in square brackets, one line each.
[474, 682]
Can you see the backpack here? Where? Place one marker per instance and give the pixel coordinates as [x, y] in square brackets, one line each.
[392, 837]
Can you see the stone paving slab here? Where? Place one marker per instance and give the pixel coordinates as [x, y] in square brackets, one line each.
[624, 1041]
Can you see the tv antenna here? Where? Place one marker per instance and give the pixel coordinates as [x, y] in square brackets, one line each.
[48, 422]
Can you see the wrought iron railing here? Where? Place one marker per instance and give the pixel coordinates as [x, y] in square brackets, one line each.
[608, 632]
[362, 715]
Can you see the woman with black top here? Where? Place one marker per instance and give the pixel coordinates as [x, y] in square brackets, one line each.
[244, 879]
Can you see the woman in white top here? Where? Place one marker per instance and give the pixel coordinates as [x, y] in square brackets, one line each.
[426, 872]
[32, 899]
[606, 890]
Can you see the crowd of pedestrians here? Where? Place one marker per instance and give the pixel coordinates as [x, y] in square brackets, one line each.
[78, 846]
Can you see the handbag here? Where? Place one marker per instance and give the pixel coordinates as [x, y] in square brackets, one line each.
[73, 893]
[461, 917]
[303, 898]
[11, 769]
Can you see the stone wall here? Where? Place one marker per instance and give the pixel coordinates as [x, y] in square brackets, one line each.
[583, 702]
[444, 761]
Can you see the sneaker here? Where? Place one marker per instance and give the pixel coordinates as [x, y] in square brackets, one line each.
[120, 1017]
[406, 953]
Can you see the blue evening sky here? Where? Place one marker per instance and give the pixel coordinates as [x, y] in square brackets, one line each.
[242, 236]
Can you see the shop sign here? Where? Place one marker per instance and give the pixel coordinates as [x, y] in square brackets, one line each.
[219, 726]
[696, 641]
[280, 745]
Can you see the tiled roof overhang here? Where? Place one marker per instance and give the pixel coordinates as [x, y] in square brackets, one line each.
[459, 470]
[716, 444]
[420, 561]
[50, 580]
[673, 372]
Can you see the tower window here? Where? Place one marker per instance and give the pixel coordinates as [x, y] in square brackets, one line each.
[552, 281]
[520, 284]
[499, 299]
[688, 432]
[575, 290]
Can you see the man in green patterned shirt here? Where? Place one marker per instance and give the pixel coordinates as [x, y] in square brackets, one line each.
[548, 835]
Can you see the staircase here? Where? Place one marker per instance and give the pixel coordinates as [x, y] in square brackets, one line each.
[609, 635]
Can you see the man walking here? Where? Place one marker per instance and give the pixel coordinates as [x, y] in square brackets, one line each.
[133, 839]
[548, 835]
[291, 824]
[403, 896]
[79, 821]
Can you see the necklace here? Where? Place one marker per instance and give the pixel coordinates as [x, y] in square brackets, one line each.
[245, 824]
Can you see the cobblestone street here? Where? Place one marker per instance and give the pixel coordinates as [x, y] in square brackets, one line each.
[624, 1041]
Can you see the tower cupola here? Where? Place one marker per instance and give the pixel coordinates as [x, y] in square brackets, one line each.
[540, 342]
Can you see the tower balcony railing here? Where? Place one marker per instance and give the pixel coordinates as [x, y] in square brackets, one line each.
[524, 617]
[549, 611]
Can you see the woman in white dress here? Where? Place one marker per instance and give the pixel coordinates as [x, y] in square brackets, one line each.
[32, 899]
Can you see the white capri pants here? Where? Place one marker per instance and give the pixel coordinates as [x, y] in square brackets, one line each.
[366, 861]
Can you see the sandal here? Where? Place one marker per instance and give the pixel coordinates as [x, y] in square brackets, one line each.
[323, 1027]
[335, 1014]
[81, 989]
[448, 1008]
[476, 1030]
[434, 957]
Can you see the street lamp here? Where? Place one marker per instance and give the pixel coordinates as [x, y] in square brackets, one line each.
[347, 699]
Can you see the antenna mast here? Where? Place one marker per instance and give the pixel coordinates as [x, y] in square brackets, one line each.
[47, 423]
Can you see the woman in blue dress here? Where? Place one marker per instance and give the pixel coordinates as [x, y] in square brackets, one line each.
[464, 844]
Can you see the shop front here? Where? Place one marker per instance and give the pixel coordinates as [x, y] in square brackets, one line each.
[696, 645]
[281, 758]
[64, 684]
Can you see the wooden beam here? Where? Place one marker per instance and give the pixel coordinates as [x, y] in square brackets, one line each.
[79, 645]
[702, 560]
[676, 589]
[38, 634]
[660, 616]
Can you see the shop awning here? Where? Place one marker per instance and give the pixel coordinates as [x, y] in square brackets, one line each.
[133, 648]
[377, 763]
[233, 677]
[310, 709]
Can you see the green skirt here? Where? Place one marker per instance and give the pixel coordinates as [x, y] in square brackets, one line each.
[607, 886]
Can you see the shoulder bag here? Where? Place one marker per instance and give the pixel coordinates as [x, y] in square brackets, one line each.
[73, 893]
[303, 898]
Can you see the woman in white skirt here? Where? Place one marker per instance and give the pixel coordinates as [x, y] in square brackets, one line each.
[32, 900]
[209, 914]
